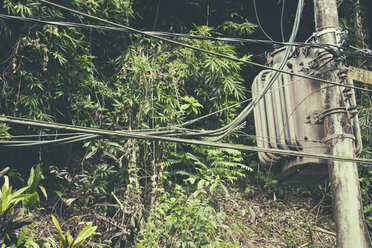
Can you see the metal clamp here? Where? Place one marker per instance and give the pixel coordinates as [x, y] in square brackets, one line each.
[338, 136]
[313, 118]
[318, 117]
[326, 30]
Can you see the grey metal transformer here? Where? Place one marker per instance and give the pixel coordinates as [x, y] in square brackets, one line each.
[290, 115]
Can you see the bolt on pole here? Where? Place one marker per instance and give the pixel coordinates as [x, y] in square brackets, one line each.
[344, 181]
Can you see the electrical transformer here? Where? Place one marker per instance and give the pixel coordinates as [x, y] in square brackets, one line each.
[290, 115]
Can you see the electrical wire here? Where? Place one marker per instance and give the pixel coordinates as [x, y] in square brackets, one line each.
[213, 132]
[94, 133]
[196, 48]
[281, 21]
[160, 130]
[222, 132]
[124, 134]
[271, 80]
[40, 135]
[260, 137]
[62, 141]
[258, 20]
[328, 47]
[165, 130]
[228, 128]
[367, 126]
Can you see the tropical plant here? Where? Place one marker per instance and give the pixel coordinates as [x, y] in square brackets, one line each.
[9, 198]
[183, 220]
[33, 184]
[11, 219]
[219, 164]
[66, 239]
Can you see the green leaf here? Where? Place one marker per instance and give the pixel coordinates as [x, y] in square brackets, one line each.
[32, 199]
[213, 186]
[3, 129]
[56, 224]
[31, 177]
[43, 190]
[85, 233]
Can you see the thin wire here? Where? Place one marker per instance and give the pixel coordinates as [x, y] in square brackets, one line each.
[79, 135]
[27, 143]
[167, 34]
[362, 50]
[272, 78]
[281, 21]
[123, 134]
[225, 130]
[260, 137]
[41, 135]
[258, 21]
[367, 126]
[180, 127]
[329, 47]
[214, 132]
[199, 49]
[264, 140]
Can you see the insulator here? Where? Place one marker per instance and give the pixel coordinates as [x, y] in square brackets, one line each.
[342, 73]
[348, 94]
[352, 108]
[347, 89]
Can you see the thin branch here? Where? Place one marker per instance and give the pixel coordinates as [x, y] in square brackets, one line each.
[319, 229]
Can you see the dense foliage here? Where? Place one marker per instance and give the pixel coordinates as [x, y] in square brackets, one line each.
[154, 194]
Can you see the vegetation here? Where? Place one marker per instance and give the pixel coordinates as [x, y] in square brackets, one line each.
[135, 193]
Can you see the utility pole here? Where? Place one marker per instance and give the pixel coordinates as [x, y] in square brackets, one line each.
[346, 197]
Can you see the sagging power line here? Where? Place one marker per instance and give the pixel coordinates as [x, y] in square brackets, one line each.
[125, 134]
[364, 53]
[220, 133]
[196, 48]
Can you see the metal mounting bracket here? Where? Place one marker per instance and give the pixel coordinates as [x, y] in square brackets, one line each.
[317, 117]
[313, 118]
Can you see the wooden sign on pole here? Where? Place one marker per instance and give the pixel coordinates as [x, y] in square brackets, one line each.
[360, 75]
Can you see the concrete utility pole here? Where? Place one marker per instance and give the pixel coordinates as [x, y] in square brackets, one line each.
[346, 197]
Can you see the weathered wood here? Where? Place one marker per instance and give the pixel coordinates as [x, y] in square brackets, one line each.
[360, 75]
[346, 197]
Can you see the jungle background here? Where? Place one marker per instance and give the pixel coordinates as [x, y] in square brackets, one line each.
[136, 193]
